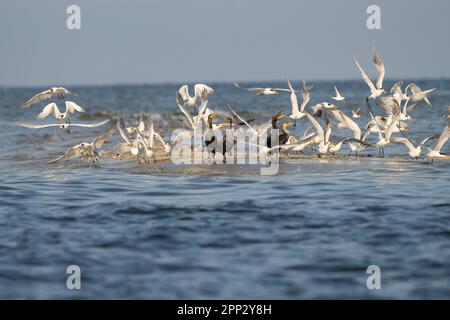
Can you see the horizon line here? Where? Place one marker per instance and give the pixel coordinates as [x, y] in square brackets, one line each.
[220, 82]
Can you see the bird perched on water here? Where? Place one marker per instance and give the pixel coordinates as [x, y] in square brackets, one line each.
[263, 91]
[377, 89]
[86, 149]
[201, 93]
[338, 96]
[58, 92]
[71, 107]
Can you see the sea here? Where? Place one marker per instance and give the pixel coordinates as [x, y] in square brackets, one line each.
[341, 227]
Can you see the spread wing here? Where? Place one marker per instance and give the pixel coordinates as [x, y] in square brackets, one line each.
[305, 95]
[202, 109]
[389, 104]
[397, 87]
[281, 90]
[380, 68]
[365, 77]
[350, 124]
[248, 89]
[338, 94]
[202, 91]
[122, 131]
[183, 92]
[394, 124]
[37, 126]
[88, 125]
[151, 133]
[443, 138]
[242, 119]
[141, 125]
[70, 153]
[294, 101]
[317, 126]
[47, 94]
[403, 140]
[72, 107]
[414, 88]
[66, 91]
[48, 109]
[118, 150]
[100, 140]
[161, 140]
[180, 103]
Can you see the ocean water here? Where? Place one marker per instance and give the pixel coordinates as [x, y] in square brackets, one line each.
[219, 231]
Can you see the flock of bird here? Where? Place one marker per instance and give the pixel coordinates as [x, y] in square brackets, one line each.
[273, 137]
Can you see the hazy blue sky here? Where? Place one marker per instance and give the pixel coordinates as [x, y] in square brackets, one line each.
[137, 41]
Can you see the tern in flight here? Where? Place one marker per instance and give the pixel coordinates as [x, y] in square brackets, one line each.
[338, 96]
[201, 92]
[417, 95]
[356, 113]
[64, 126]
[129, 148]
[298, 113]
[396, 91]
[436, 151]
[394, 124]
[195, 121]
[414, 152]
[48, 94]
[387, 103]
[263, 91]
[86, 149]
[71, 107]
[377, 89]
[324, 140]
[344, 122]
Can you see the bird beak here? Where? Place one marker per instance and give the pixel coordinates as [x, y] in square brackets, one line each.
[289, 124]
[280, 116]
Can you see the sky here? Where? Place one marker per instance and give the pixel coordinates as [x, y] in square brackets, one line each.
[174, 41]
